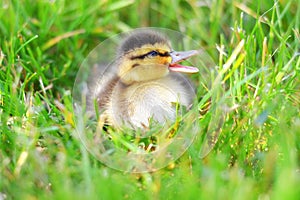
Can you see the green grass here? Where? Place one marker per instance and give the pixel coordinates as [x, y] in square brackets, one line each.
[257, 156]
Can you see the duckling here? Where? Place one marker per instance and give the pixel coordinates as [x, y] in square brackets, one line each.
[145, 82]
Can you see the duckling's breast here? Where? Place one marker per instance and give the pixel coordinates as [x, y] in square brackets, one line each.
[156, 100]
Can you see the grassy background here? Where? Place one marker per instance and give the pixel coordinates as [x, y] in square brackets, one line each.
[42, 44]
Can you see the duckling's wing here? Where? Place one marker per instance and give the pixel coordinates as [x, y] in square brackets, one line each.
[100, 86]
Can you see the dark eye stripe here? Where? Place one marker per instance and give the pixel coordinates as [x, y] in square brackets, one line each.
[166, 54]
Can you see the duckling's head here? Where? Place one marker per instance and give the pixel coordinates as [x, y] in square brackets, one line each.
[148, 55]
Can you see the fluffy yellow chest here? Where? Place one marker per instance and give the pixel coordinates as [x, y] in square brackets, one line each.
[136, 104]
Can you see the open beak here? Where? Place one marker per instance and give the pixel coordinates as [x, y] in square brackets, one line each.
[180, 56]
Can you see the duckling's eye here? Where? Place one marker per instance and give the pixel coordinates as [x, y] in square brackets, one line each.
[152, 54]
